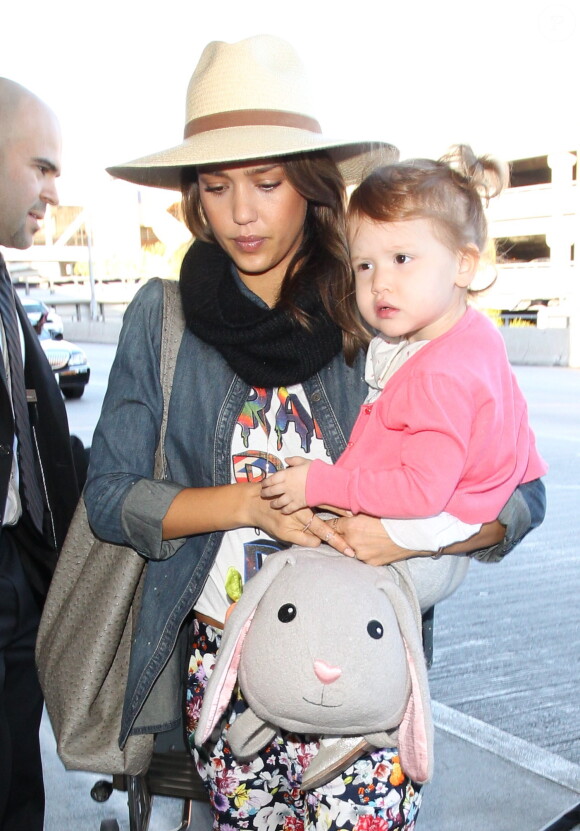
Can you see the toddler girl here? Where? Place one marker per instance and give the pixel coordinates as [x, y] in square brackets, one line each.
[442, 439]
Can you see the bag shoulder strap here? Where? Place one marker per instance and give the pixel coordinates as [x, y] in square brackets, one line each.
[172, 333]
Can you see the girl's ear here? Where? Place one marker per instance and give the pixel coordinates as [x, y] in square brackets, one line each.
[469, 258]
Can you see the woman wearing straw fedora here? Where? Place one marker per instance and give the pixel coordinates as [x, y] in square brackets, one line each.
[264, 371]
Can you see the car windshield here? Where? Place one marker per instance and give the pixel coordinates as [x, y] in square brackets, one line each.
[33, 306]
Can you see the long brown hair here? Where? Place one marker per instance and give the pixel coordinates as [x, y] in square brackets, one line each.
[322, 259]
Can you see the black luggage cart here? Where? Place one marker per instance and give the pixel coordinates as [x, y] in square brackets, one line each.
[172, 773]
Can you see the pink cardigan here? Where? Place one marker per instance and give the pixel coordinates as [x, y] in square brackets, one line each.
[449, 432]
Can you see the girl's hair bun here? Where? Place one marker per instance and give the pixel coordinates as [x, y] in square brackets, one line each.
[487, 175]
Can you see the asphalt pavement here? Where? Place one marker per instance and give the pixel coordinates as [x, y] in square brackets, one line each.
[484, 779]
[504, 679]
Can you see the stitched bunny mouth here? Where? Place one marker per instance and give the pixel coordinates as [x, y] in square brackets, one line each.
[320, 703]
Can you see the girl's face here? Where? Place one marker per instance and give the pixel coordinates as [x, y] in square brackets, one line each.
[408, 283]
[257, 217]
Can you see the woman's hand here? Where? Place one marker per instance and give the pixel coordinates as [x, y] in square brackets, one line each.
[222, 508]
[369, 540]
[371, 543]
[302, 527]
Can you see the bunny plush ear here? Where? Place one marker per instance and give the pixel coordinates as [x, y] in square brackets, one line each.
[415, 733]
[249, 734]
[223, 678]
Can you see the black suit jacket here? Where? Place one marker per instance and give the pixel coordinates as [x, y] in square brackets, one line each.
[54, 461]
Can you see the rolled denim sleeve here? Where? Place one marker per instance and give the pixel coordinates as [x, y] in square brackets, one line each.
[523, 512]
[142, 516]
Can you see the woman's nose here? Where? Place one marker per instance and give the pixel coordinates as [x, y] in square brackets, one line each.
[243, 209]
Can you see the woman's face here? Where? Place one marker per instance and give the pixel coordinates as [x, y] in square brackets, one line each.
[257, 217]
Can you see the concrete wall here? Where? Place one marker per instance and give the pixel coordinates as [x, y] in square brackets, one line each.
[92, 331]
[525, 345]
[537, 347]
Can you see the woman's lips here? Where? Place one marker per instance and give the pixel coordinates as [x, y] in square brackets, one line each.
[249, 244]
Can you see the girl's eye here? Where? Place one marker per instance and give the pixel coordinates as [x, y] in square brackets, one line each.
[214, 188]
[401, 259]
[363, 267]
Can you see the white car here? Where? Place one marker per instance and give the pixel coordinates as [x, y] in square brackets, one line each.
[35, 309]
[68, 362]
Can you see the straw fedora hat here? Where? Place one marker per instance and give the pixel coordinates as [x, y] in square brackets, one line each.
[249, 100]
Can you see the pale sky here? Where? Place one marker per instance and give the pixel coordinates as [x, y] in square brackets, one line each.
[501, 75]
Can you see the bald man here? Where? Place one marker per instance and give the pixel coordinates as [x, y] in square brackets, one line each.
[38, 489]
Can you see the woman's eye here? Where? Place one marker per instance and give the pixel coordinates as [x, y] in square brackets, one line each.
[213, 188]
[269, 186]
[286, 613]
[401, 259]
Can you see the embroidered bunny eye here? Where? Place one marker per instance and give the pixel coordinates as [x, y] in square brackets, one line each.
[286, 613]
[375, 629]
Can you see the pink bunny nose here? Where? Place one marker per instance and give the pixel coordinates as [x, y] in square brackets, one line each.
[325, 673]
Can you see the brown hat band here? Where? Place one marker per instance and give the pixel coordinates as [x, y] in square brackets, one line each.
[250, 118]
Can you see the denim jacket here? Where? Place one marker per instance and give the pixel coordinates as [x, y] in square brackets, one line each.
[126, 505]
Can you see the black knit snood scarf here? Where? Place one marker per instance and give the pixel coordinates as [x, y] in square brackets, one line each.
[265, 347]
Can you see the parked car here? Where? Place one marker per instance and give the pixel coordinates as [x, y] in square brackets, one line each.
[68, 362]
[37, 310]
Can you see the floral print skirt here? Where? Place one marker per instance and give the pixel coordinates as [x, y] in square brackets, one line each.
[264, 794]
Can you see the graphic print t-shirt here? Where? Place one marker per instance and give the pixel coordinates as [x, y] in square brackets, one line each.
[273, 424]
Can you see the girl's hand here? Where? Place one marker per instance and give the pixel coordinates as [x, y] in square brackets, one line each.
[286, 489]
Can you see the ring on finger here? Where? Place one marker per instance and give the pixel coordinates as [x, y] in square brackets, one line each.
[328, 536]
[308, 524]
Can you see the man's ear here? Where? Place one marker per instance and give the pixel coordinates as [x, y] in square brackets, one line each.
[469, 258]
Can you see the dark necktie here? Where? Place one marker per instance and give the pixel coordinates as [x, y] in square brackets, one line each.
[28, 480]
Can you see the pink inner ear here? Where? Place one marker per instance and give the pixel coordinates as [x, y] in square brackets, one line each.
[413, 739]
[226, 680]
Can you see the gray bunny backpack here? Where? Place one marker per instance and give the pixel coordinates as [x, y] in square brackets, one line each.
[326, 645]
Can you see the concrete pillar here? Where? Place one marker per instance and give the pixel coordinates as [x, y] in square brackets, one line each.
[558, 236]
[560, 239]
[575, 298]
[561, 164]
[116, 249]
